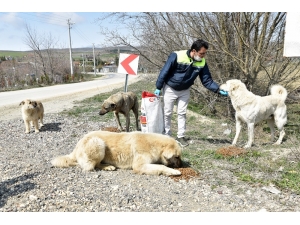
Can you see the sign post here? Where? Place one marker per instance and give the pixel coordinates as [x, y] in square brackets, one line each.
[126, 79]
[128, 64]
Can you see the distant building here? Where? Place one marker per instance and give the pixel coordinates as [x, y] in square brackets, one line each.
[109, 69]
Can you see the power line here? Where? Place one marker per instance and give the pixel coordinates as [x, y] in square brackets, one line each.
[42, 18]
[52, 19]
[56, 17]
[81, 34]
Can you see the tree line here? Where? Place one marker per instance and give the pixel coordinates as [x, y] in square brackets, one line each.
[243, 45]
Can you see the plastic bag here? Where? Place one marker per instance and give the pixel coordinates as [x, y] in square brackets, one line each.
[152, 118]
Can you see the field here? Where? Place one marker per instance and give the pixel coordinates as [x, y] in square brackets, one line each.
[12, 53]
[76, 53]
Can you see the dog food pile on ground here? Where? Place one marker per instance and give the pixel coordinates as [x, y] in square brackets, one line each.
[186, 174]
[231, 151]
[111, 129]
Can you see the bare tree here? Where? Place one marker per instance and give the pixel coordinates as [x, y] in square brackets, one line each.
[49, 45]
[2, 79]
[51, 59]
[249, 46]
[36, 43]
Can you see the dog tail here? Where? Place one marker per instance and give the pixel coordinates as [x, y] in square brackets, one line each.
[64, 161]
[279, 90]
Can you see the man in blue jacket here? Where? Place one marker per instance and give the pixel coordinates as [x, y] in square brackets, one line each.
[175, 80]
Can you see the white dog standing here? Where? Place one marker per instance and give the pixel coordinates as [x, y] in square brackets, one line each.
[251, 109]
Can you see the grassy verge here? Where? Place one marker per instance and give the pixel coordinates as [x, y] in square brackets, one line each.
[262, 165]
[84, 77]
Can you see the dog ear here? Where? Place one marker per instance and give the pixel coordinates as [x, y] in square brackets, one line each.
[34, 103]
[113, 105]
[234, 86]
[22, 103]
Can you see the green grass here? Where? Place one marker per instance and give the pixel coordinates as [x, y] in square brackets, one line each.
[246, 177]
[77, 110]
[90, 107]
[290, 178]
[195, 107]
[12, 53]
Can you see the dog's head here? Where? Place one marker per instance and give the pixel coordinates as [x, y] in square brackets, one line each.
[112, 103]
[107, 106]
[232, 86]
[28, 104]
[171, 155]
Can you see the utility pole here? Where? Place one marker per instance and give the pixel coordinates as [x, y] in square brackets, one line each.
[94, 59]
[35, 64]
[71, 61]
[83, 64]
[14, 77]
[118, 57]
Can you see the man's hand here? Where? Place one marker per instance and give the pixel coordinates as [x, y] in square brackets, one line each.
[223, 93]
[156, 92]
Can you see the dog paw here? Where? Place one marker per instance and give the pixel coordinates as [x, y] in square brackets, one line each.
[247, 146]
[109, 168]
[174, 173]
[178, 173]
[276, 143]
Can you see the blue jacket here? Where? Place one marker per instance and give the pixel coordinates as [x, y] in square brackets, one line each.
[180, 72]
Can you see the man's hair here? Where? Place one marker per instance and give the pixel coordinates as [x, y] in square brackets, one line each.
[199, 44]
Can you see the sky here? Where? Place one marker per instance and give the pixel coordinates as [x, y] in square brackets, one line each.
[84, 30]
[51, 17]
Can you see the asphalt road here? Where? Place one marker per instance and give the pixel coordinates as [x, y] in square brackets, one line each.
[44, 93]
[60, 97]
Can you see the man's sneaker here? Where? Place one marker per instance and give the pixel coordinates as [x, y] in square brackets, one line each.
[182, 141]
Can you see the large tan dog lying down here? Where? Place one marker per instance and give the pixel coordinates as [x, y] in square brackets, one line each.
[142, 152]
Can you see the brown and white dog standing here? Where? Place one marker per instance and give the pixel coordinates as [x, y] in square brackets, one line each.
[122, 102]
[32, 111]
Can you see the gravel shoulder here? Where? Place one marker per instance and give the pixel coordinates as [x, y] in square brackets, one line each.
[29, 183]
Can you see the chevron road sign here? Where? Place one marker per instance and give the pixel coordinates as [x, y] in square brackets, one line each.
[128, 64]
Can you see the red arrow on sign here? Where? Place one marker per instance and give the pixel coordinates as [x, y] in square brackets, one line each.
[125, 64]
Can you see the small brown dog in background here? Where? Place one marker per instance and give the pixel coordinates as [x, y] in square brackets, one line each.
[122, 102]
[32, 111]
